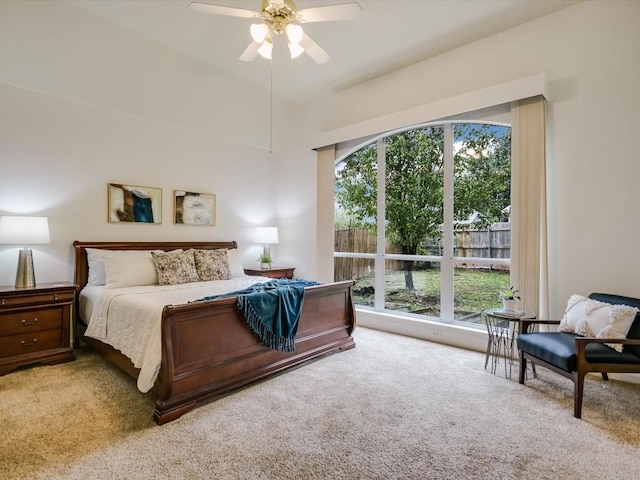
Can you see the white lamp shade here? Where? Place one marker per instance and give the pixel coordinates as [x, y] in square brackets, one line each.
[267, 235]
[265, 49]
[294, 33]
[295, 50]
[258, 32]
[19, 230]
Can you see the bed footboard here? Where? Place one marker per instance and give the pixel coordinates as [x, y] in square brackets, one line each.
[208, 348]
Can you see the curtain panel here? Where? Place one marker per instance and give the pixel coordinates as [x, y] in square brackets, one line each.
[326, 164]
[529, 272]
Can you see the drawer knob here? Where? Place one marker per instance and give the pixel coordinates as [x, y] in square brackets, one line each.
[2, 301]
[29, 344]
[55, 296]
[27, 323]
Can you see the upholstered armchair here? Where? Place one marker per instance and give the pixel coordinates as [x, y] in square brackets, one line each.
[573, 355]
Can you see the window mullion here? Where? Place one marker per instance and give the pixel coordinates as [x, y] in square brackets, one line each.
[380, 227]
[446, 270]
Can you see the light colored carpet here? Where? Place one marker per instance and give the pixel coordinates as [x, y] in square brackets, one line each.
[393, 408]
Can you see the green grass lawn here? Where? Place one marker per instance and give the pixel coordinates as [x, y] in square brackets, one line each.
[474, 290]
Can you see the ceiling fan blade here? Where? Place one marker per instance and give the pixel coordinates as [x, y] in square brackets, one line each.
[221, 10]
[250, 53]
[314, 50]
[342, 11]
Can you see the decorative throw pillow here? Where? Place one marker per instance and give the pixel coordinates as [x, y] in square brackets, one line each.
[175, 267]
[591, 318]
[212, 264]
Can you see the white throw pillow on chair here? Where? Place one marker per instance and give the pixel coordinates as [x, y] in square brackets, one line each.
[591, 318]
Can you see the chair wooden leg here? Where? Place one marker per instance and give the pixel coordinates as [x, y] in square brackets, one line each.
[578, 389]
[522, 368]
[605, 377]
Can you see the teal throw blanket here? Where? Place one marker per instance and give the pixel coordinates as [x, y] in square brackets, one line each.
[272, 310]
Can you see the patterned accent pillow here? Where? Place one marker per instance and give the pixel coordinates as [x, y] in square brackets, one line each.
[591, 318]
[175, 267]
[212, 264]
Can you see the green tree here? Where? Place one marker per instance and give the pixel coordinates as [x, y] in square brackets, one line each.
[414, 184]
[482, 172]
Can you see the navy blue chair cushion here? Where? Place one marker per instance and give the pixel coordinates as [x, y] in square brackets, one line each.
[558, 348]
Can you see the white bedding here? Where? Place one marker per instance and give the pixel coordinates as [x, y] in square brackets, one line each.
[129, 319]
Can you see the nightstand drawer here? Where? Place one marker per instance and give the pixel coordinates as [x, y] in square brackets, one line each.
[28, 321]
[30, 342]
[273, 272]
[35, 298]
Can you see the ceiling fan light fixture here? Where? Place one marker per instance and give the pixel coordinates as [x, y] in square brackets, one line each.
[258, 32]
[295, 49]
[280, 17]
[294, 33]
[265, 49]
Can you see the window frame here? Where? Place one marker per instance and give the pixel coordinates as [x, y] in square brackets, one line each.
[447, 261]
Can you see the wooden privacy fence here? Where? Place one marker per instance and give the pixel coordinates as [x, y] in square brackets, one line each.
[493, 242]
[353, 240]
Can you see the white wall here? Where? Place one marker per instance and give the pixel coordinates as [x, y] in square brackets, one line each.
[590, 55]
[58, 156]
[84, 103]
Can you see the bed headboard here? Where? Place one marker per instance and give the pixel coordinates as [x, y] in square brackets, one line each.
[82, 266]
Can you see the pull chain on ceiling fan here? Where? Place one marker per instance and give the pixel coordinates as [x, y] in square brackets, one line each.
[283, 17]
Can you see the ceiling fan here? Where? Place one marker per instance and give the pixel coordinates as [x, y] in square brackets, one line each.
[283, 17]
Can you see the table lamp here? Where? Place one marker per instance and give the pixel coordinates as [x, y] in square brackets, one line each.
[23, 231]
[268, 236]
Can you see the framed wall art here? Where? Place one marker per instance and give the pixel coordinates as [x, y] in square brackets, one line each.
[132, 203]
[191, 208]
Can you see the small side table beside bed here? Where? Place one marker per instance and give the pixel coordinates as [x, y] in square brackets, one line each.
[35, 325]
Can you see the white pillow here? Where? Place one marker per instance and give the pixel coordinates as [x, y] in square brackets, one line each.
[95, 259]
[129, 268]
[591, 318]
[235, 263]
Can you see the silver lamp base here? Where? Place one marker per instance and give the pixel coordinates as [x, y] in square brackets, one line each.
[25, 276]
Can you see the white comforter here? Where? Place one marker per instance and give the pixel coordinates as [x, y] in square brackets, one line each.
[129, 319]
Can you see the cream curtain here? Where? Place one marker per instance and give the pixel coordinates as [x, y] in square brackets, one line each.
[326, 180]
[529, 272]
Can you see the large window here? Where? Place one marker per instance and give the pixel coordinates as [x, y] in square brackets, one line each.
[422, 220]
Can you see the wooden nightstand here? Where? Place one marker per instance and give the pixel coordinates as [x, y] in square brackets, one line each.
[273, 272]
[35, 325]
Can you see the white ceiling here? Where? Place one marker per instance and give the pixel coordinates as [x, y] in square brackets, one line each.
[389, 35]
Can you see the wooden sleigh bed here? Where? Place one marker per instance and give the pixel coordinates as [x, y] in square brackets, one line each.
[208, 348]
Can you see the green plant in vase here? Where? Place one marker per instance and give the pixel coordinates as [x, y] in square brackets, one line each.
[265, 261]
[509, 297]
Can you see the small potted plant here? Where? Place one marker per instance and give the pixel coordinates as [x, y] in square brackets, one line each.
[509, 297]
[265, 261]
